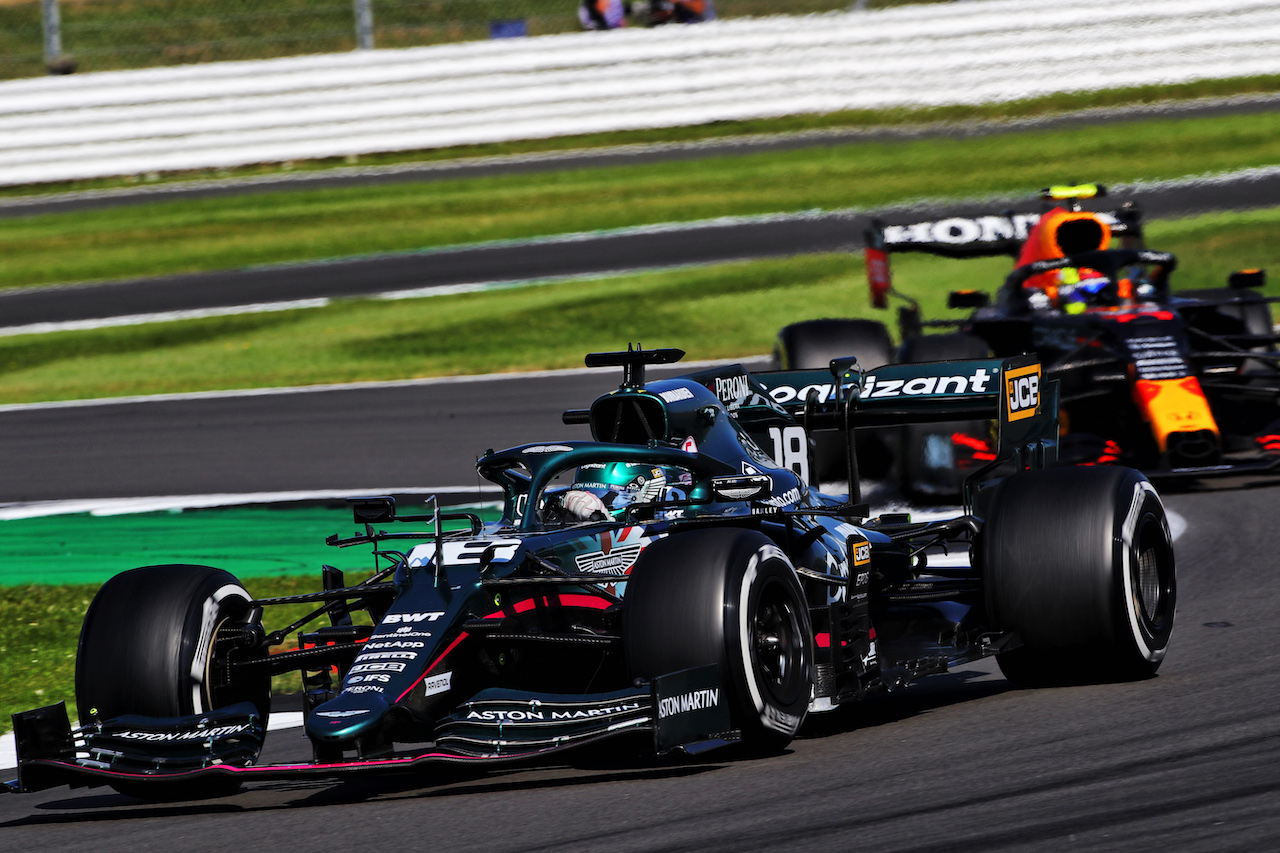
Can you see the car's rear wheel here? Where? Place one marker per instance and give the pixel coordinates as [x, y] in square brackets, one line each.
[147, 647]
[1079, 562]
[727, 597]
[811, 345]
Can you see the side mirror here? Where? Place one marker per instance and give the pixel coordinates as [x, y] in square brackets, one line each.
[746, 487]
[968, 299]
[1241, 279]
[373, 510]
[840, 366]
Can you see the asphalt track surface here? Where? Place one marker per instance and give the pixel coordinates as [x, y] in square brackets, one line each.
[1186, 761]
[347, 438]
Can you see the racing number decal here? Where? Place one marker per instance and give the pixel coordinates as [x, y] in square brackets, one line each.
[1022, 392]
[465, 553]
[791, 449]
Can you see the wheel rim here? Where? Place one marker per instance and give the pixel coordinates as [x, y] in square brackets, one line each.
[1153, 589]
[777, 648]
[1148, 583]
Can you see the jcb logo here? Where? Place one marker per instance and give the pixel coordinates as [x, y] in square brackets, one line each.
[862, 554]
[1022, 392]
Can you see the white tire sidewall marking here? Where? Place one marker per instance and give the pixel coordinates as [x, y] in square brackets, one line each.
[208, 624]
[746, 634]
[1140, 492]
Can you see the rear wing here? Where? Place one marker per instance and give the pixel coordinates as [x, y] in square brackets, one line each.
[1012, 392]
[966, 237]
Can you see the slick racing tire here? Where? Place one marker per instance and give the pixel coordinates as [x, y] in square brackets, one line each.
[812, 345]
[728, 597]
[934, 459]
[1079, 562]
[148, 647]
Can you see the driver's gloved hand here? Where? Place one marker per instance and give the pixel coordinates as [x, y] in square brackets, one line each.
[584, 506]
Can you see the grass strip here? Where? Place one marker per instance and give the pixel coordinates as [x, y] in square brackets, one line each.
[720, 311]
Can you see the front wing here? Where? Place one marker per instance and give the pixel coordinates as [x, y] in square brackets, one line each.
[494, 727]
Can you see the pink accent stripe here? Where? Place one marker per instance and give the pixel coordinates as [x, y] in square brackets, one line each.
[427, 671]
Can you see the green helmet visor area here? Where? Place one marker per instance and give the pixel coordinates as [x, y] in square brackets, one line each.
[620, 484]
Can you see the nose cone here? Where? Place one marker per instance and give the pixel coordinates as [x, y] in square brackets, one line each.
[346, 717]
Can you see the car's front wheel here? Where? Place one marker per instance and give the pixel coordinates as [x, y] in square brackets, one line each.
[727, 597]
[148, 646]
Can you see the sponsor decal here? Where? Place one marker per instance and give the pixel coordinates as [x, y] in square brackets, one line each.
[787, 498]
[536, 714]
[340, 714]
[1157, 357]
[926, 386]
[437, 684]
[617, 555]
[1022, 392]
[869, 661]
[465, 553]
[400, 633]
[506, 716]
[689, 446]
[165, 737]
[675, 395]
[386, 656]
[619, 562]
[786, 393]
[861, 554]
[546, 448]
[378, 677]
[695, 700]
[958, 229]
[733, 388]
[779, 720]
[386, 666]
[398, 644]
[429, 616]
[363, 688]
[588, 713]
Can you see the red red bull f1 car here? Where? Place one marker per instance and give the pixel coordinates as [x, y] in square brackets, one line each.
[1181, 384]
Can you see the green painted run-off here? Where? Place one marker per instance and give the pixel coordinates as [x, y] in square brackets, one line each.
[246, 541]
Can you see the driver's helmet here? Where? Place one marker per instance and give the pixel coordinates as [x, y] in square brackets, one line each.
[1080, 288]
[620, 484]
[1061, 233]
